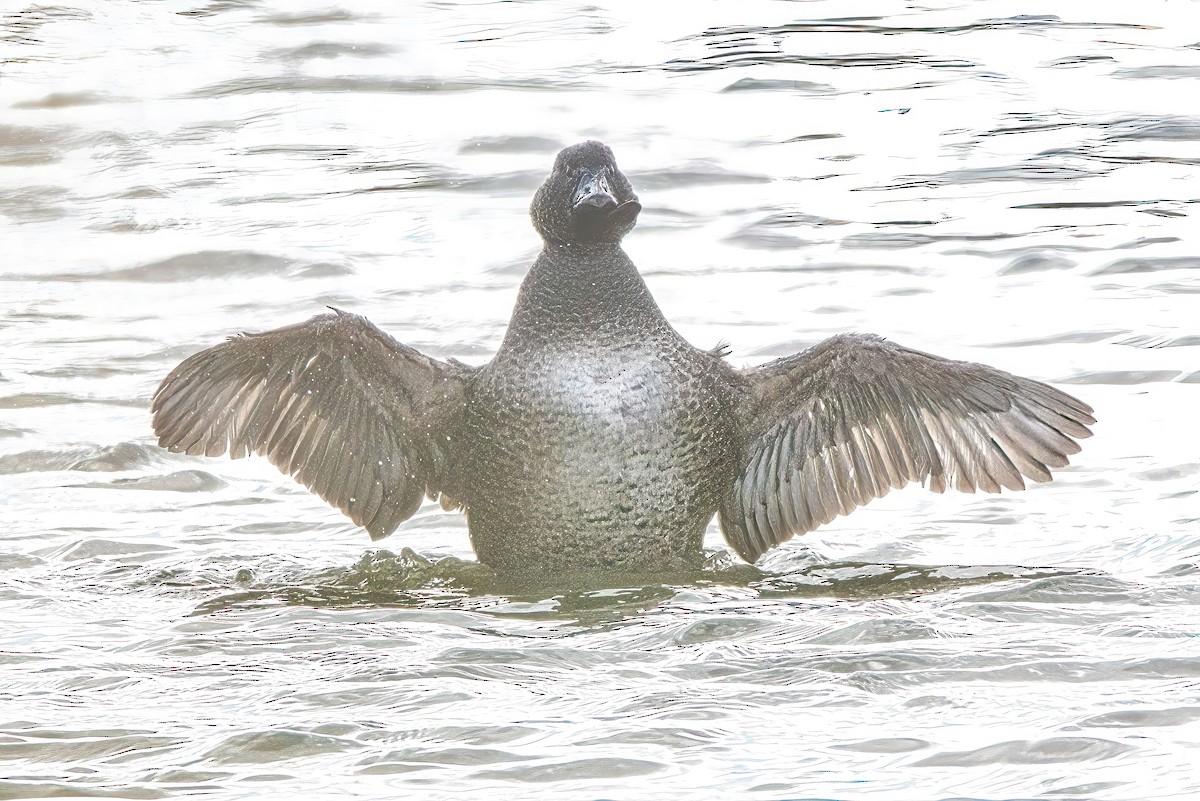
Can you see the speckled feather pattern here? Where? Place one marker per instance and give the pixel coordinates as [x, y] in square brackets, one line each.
[598, 438]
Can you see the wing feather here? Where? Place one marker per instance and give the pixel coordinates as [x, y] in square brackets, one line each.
[856, 416]
[355, 416]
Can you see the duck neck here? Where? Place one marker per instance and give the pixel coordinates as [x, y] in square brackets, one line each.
[589, 291]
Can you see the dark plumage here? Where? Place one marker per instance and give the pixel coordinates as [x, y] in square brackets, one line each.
[598, 438]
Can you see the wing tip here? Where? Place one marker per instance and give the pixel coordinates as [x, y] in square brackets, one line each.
[737, 537]
[376, 534]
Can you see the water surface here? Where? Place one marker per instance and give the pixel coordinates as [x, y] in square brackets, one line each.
[987, 181]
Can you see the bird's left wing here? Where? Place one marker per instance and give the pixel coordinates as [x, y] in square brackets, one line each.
[856, 416]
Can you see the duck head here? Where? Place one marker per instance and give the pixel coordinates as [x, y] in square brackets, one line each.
[586, 199]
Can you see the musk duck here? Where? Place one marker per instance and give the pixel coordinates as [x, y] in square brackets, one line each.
[598, 438]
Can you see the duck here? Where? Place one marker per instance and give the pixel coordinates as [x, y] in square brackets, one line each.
[598, 439]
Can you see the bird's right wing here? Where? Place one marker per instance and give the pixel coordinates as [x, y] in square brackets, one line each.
[357, 417]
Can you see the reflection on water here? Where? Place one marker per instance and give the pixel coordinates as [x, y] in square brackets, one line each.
[975, 180]
[383, 579]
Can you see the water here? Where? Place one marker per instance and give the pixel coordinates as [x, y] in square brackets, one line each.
[989, 181]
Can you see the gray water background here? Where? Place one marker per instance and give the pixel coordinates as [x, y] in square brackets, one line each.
[1014, 183]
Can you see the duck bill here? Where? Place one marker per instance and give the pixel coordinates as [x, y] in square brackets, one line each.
[595, 210]
[626, 214]
[593, 194]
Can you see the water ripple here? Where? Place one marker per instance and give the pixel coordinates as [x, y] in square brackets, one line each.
[183, 626]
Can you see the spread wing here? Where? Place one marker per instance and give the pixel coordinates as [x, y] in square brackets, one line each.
[355, 416]
[855, 416]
